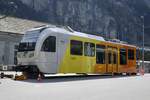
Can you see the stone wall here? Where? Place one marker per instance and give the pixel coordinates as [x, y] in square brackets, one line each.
[7, 47]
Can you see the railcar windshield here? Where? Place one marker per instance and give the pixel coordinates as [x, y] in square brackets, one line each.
[26, 46]
[31, 36]
[29, 40]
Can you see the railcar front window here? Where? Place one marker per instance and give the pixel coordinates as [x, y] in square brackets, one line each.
[26, 46]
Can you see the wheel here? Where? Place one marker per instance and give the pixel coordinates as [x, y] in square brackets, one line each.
[42, 75]
[134, 74]
[2, 75]
[128, 74]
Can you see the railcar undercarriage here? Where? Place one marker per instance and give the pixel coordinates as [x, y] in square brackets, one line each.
[29, 71]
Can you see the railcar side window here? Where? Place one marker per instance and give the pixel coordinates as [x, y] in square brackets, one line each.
[131, 54]
[89, 49]
[109, 58]
[49, 44]
[115, 58]
[100, 54]
[76, 47]
[123, 56]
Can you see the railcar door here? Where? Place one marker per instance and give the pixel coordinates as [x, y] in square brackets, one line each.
[112, 60]
[109, 60]
[89, 57]
[49, 54]
[100, 59]
[115, 60]
[76, 56]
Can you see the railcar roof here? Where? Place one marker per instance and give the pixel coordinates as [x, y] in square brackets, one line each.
[80, 34]
[122, 44]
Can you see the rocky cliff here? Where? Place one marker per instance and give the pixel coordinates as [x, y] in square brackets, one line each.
[110, 18]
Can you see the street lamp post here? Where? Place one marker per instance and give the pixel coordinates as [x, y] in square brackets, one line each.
[143, 27]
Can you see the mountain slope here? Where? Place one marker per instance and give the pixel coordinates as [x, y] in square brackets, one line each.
[110, 18]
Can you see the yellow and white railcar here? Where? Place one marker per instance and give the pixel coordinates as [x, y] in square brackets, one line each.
[61, 50]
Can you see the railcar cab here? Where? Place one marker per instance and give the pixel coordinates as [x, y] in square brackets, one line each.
[34, 49]
[26, 53]
[39, 48]
[30, 44]
[27, 45]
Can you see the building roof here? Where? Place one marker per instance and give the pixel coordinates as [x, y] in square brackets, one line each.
[18, 25]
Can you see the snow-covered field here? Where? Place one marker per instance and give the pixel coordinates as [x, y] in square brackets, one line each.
[78, 88]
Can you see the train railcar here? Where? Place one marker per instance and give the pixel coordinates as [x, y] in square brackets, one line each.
[53, 50]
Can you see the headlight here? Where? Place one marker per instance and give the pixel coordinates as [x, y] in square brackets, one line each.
[31, 54]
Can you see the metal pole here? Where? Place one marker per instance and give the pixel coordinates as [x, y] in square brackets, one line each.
[143, 67]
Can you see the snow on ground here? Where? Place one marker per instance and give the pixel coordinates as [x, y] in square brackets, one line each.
[78, 88]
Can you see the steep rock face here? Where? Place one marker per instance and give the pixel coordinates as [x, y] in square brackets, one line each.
[110, 18]
[17, 8]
